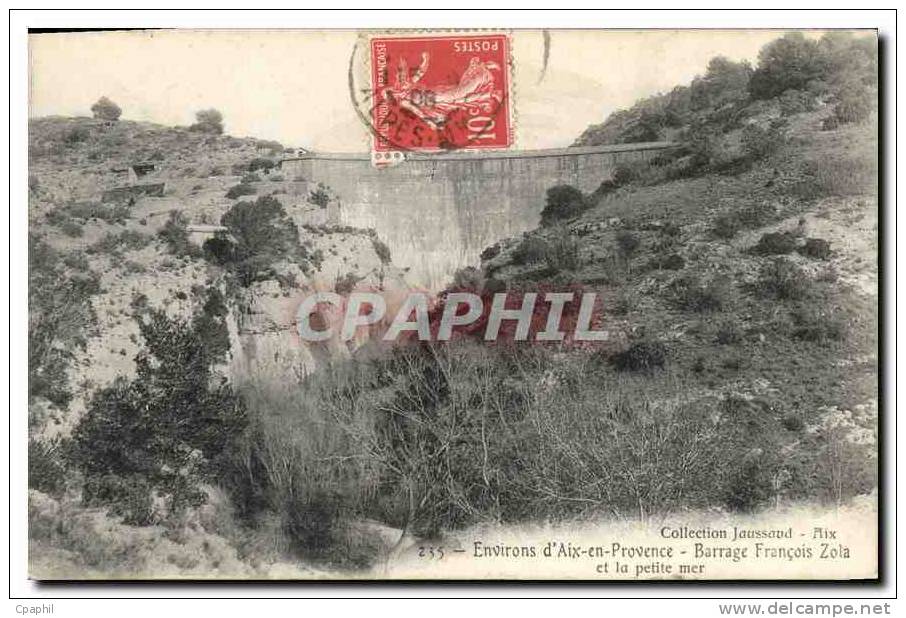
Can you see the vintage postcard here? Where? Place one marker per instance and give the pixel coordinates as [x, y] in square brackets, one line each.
[575, 305]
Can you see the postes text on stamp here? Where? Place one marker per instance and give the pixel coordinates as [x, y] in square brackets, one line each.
[436, 93]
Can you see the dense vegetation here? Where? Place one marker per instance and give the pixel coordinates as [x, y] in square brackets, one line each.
[145, 445]
[260, 235]
[796, 71]
[60, 288]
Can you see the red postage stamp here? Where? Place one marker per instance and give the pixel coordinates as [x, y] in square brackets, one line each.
[441, 93]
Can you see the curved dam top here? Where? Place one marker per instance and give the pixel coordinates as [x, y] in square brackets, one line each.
[438, 211]
[459, 155]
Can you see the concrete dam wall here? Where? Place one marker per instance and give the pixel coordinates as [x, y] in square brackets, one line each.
[437, 212]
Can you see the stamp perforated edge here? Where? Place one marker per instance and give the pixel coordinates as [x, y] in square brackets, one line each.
[361, 71]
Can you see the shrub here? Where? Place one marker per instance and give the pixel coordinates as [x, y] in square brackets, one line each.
[733, 363]
[489, 253]
[133, 268]
[728, 332]
[127, 496]
[640, 356]
[792, 422]
[674, 261]
[272, 146]
[260, 163]
[759, 142]
[113, 243]
[756, 214]
[194, 419]
[796, 102]
[846, 452]
[208, 324]
[311, 523]
[261, 227]
[219, 250]
[831, 123]
[775, 243]
[346, 284]
[468, 278]
[627, 243]
[531, 250]
[703, 149]
[663, 245]
[263, 234]
[853, 107]
[298, 470]
[562, 202]
[699, 365]
[76, 135]
[319, 197]
[690, 294]
[446, 404]
[787, 63]
[605, 188]
[625, 303]
[562, 254]
[818, 325]
[116, 213]
[816, 248]
[60, 314]
[381, 250]
[71, 229]
[175, 235]
[783, 280]
[837, 177]
[250, 178]
[208, 121]
[752, 426]
[670, 230]
[46, 465]
[105, 109]
[625, 173]
[749, 487]
[726, 226]
[240, 190]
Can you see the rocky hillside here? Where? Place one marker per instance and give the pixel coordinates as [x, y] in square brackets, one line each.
[147, 248]
[762, 278]
[738, 276]
[744, 266]
[793, 72]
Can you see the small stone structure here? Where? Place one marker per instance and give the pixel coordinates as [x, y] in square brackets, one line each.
[129, 175]
[198, 233]
[128, 187]
[125, 175]
[143, 169]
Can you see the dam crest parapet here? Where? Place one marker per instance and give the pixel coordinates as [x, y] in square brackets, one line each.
[438, 211]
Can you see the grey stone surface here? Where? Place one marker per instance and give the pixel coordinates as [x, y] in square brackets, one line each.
[438, 211]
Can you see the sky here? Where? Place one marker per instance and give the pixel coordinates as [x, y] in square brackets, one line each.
[292, 85]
